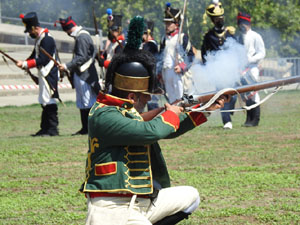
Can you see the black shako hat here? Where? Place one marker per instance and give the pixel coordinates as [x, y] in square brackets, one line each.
[171, 14]
[133, 70]
[66, 24]
[30, 20]
[114, 22]
[149, 26]
[243, 18]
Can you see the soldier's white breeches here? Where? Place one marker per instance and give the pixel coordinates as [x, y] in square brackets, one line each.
[117, 210]
[85, 96]
[173, 84]
[255, 74]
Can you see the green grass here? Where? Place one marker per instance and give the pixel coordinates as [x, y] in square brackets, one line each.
[244, 175]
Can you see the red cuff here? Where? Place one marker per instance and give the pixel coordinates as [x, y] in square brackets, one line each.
[31, 63]
[197, 118]
[106, 63]
[171, 118]
[182, 66]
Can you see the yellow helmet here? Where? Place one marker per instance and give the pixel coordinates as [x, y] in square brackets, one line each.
[215, 9]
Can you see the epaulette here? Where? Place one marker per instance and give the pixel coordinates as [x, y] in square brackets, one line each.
[231, 30]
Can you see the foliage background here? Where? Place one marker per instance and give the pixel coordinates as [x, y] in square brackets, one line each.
[276, 20]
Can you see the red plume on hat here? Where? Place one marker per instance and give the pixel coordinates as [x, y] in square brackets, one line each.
[21, 16]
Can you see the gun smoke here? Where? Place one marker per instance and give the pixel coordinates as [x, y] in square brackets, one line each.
[222, 69]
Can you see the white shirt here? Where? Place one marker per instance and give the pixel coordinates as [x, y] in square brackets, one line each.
[255, 47]
[169, 52]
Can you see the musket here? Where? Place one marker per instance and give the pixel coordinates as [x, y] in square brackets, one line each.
[205, 97]
[100, 44]
[179, 33]
[97, 34]
[56, 64]
[34, 78]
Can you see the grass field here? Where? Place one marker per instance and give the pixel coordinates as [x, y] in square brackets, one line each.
[244, 175]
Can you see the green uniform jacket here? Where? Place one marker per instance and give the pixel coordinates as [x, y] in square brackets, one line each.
[124, 155]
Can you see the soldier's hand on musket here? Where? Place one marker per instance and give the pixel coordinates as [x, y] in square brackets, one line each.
[62, 67]
[20, 64]
[219, 103]
[177, 69]
[174, 108]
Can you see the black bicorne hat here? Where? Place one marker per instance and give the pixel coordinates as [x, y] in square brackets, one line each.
[149, 26]
[114, 22]
[133, 70]
[171, 14]
[66, 24]
[30, 20]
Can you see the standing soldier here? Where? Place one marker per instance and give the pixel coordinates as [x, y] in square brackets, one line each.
[173, 70]
[255, 48]
[48, 73]
[213, 40]
[115, 37]
[83, 70]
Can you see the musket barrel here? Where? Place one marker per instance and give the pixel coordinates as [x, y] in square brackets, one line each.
[9, 57]
[205, 97]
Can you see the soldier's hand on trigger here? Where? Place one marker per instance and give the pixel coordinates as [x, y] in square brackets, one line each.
[174, 108]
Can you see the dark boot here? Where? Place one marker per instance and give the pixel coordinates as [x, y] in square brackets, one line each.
[250, 116]
[44, 123]
[84, 114]
[173, 219]
[248, 119]
[256, 116]
[52, 120]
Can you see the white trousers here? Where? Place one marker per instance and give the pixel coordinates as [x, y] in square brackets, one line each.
[173, 84]
[255, 73]
[117, 210]
[85, 96]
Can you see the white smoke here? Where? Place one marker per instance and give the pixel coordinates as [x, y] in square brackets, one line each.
[222, 69]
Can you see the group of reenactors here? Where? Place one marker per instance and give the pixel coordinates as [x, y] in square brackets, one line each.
[173, 65]
[127, 181]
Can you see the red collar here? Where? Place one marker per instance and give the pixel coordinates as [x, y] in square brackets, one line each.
[44, 31]
[120, 38]
[174, 33]
[111, 100]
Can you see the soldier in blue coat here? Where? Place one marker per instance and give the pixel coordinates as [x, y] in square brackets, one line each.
[82, 68]
[48, 73]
